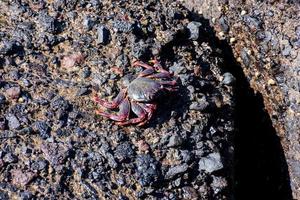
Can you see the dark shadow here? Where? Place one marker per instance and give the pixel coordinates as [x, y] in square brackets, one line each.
[260, 167]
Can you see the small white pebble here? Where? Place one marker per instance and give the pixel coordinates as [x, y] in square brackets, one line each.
[271, 82]
[232, 40]
[20, 100]
[243, 12]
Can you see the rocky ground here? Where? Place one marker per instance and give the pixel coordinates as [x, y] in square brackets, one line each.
[56, 55]
[263, 41]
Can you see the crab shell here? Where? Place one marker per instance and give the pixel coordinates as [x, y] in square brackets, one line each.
[144, 89]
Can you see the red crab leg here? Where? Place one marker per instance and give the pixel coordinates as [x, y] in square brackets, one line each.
[140, 113]
[149, 108]
[146, 72]
[115, 102]
[122, 115]
[157, 66]
[150, 69]
[160, 75]
[141, 64]
[172, 83]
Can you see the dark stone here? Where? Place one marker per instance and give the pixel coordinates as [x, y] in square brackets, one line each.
[124, 151]
[2, 123]
[228, 78]
[11, 47]
[3, 195]
[200, 105]
[224, 24]
[211, 163]
[122, 61]
[43, 129]
[147, 169]
[10, 158]
[59, 103]
[140, 50]
[88, 23]
[82, 91]
[176, 170]
[245, 57]
[39, 165]
[175, 140]
[48, 23]
[55, 153]
[26, 195]
[194, 30]
[86, 72]
[122, 26]
[103, 35]
[2, 99]
[13, 122]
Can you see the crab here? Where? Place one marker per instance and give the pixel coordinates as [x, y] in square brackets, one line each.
[139, 96]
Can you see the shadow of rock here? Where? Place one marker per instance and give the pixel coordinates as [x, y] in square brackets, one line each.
[260, 168]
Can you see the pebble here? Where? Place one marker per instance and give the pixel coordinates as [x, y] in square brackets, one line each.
[200, 105]
[3, 195]
[122, 61]
[189, 193]
[48, 23]
[13, 92]
[124, 152]
[82, 91]
[10, 158]
[211, 163]
[2, 123]
[228, 78]
[88, 23]
[72, 60]
[55, 153]
[103, 35]
[245, 57]
[20, 178]
[86, 72]
[224, 24]
[39, 165]
[194, 30]
[175, 140]
[176, 170]
[26, 195]
[13, 122]
[10, 47]
[122, 26]
[2, 99]
[147, 169]
[140, 50]
[218, 184]
[43, 129]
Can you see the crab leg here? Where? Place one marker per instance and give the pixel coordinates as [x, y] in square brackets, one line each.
[121, 116]
[115, 102]
[141, 64]
[140, 113]
[146, 72]
[149, 108]
[172, 83]
[160, 75]
[157, 66]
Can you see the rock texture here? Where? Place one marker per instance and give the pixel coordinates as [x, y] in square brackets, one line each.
[265, 39]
